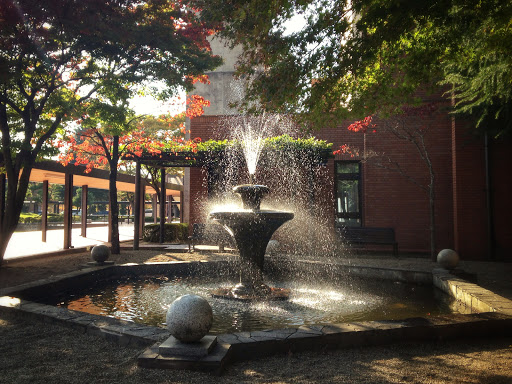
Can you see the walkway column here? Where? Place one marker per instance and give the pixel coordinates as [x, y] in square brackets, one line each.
[136, 209]
[44, 212]
[162, 204]
[68, 198]
[142, 207]
[169, 209]
[181, 206]
[83, 208]
[154, 207]
[109, 237]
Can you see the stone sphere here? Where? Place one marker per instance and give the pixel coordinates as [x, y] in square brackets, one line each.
[189, 318]
[272, 247]
[448, 258]
[100, 253]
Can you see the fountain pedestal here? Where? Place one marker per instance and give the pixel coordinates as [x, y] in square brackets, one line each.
[252, 229]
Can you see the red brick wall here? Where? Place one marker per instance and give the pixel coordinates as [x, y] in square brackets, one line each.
[390, 200]
[469, 195]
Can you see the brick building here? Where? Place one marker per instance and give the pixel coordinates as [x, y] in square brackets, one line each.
[473, 180]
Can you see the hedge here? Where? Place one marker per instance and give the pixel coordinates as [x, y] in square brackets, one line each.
[174, 233]
[32, 218]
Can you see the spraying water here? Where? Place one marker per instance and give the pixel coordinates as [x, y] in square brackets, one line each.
[251, 131]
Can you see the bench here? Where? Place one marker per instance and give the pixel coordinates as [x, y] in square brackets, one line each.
[209, 234]
[366, 235]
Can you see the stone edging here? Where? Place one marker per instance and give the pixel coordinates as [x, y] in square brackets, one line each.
[476, 298]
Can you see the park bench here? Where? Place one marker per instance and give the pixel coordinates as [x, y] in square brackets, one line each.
[367, 235]
[209, 234]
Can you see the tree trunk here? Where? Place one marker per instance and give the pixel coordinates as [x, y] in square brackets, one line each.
[5, 236]
[114, 206]
[17, 186]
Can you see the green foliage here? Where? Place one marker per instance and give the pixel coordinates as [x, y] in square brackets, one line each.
[216, 145]
[277, 143]
[361, 57]
[31, 218]
[174, 233]
[288, 143]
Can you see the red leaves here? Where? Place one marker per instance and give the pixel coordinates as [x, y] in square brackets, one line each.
[195, 106]
[346, 150]
[203, 79]
[362, 125]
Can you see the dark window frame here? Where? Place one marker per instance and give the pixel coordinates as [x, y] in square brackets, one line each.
[348, 176]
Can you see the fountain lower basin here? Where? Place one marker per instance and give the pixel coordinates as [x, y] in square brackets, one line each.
[145, 301]
[486, 314]
[318, 295]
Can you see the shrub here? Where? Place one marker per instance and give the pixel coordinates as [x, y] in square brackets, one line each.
[30, 218]
[174, 233]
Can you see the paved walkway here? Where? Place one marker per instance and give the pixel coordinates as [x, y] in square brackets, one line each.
[25, 244]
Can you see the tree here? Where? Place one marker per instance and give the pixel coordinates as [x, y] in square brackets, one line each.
[411, 126]
[363, 57]
[106, 133]
[57, 54]
[110, 131]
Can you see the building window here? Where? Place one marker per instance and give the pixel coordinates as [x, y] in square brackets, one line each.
[348, 193]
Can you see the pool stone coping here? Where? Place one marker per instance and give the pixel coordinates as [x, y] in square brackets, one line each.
[488, 314]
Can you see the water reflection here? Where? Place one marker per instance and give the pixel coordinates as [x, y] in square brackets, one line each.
[146, 301]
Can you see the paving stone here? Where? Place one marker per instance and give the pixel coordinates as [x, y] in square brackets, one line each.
[262, 338]
[243, 340]
[283, 334]
[263, 334]
[333, 329]
[228, 339]
[309, 329]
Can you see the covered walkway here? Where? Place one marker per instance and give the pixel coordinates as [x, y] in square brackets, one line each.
[25, 244]
[51, 172]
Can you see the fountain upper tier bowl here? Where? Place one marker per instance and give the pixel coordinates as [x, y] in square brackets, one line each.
[251, 194]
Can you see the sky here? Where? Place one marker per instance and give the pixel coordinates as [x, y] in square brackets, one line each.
[147, 105]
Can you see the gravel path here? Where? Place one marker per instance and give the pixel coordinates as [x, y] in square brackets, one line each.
[38, 352]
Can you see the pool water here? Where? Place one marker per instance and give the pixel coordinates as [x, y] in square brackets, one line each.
[145, 300]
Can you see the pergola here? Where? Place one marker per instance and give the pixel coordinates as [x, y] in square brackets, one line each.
[162, 160]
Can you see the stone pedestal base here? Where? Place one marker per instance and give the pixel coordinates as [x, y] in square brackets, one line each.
[174, 347]
[209, 356]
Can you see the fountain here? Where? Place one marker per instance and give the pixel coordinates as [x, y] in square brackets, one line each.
[252, 229]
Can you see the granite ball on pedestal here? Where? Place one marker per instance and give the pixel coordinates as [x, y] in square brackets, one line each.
[448, 259]
[189, 318]
[100, 253]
